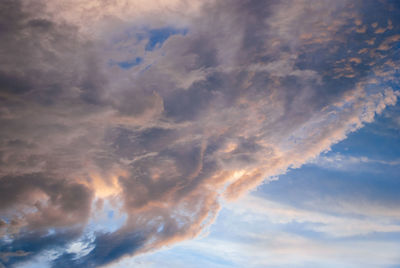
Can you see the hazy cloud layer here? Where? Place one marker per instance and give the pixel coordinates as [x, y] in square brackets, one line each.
[165, 109]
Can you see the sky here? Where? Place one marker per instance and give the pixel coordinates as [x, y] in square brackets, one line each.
[201, 133]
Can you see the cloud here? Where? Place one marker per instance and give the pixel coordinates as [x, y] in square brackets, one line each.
[107, 247]
[267, 233]
[240, 95]
[261, 232]
[29, 244]
[6, 255]
[279, 249]
[345, 162]
[339, 220]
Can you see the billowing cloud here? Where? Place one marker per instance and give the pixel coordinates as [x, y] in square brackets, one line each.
[163, 110]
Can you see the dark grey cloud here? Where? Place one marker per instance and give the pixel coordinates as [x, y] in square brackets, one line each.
[65, 212]
[249, 89]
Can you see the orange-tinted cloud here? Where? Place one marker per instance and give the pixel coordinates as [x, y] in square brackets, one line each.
[244, 92]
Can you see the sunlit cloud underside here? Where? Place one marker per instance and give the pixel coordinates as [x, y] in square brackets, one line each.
[199, 133]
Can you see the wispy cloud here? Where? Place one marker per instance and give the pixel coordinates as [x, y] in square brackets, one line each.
[223, 97]
[346, 162]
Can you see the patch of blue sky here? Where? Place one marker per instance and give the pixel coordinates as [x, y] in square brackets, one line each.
[305, 229]
[130, 63]
[156, 37]
[393, 237]
[127, 64]
[193, 254]
[108, 219]
[313, 187]
[377, 140]
[39, 262]
[110, 214]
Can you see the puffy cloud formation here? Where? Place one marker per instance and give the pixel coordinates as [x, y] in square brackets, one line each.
[163, 110]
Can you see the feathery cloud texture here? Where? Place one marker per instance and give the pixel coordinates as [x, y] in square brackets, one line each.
[162, 110]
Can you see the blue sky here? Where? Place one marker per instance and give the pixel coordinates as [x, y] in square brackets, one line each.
[237, 133]
[341, 210]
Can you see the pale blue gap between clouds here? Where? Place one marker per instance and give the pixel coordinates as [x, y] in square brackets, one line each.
[155, 39]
